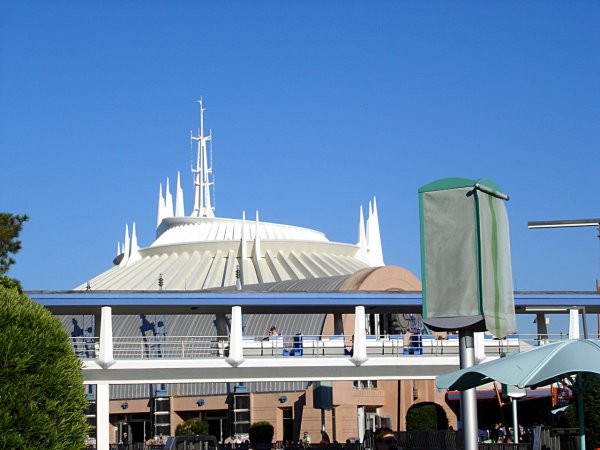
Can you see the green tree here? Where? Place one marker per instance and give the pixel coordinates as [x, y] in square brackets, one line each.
[261, 432]
[591, 413]
[42, 400]
[10, 227]
[426, 416]
[192, 427]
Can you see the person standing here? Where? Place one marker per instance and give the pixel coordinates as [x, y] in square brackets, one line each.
[306, 438]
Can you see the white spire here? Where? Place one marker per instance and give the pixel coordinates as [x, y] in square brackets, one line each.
[202, 183]
[179, 208]
[362, 237]
[257, 249]
[161, 207]
[168, 201]
[118, 248]
[126, 247]
[368, 222]
[373, 236]
[244, 252]
[134, 254]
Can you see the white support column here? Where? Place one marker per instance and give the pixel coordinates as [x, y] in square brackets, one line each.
[106, 338]
[236, 352]
[102, 417]
[359, 352]
[574, 323]
[479, 342]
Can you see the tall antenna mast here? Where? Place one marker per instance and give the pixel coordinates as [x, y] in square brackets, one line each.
[202, 181]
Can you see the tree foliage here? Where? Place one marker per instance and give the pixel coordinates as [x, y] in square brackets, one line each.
[10, 227]
[426, 416]
[261, 432]
[192, 427]
[42, 400]
[591, 413]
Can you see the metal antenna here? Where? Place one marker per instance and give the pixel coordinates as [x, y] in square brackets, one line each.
[202, 172]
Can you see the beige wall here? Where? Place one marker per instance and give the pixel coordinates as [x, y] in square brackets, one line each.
[346, 400]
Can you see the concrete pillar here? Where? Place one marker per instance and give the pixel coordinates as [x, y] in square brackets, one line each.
[338, 323]
[359, 349]
[221, 325]
[542, 328]
[105, 358]
[574, 323]
[236, 352]
[102, 417]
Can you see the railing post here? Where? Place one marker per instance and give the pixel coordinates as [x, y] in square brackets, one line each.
[106, 358]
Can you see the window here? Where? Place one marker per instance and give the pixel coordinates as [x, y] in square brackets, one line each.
[365, 384]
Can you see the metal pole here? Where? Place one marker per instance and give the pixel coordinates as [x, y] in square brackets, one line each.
[583, 318]
[468, 398]
[579, 385]
[515, 421]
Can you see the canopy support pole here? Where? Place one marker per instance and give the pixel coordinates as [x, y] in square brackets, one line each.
[468, 398]
[515, 421]
[579, 384]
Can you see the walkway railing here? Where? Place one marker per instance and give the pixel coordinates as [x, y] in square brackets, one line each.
[85, 347]
[171, 347]
[196, 347]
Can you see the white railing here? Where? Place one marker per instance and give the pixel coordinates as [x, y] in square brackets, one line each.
[297, 345]
[171, 347]
[195, 347]
[85, 347]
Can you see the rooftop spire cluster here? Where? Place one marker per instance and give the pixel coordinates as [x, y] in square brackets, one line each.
[267, 250]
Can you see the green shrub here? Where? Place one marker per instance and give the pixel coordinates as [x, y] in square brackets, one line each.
[42, 399]
[426, 416]
[192, 427]
[261, 432]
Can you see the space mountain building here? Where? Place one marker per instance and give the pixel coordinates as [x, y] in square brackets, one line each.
[201, 251]
[195, 250]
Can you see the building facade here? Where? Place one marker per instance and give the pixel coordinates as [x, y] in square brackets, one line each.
[200, 252]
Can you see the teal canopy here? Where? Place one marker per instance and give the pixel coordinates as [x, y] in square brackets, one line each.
[577, 361]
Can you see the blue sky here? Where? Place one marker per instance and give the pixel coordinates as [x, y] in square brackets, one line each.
[315, 107]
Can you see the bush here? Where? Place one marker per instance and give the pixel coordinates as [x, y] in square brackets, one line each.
[426, 416]
[261, 432]
[42, 399]
[192, 427]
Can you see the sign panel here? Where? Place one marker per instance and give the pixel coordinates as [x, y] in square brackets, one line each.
[465, 257]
